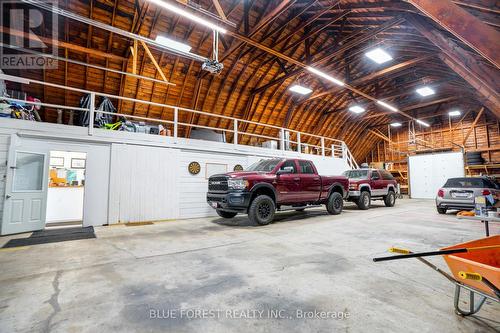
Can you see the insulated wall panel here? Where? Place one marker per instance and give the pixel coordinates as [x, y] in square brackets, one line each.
[427, 173]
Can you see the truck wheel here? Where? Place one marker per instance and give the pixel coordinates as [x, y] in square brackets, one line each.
[226, 215]
[390, 199]
[262, 210]
[364, 200]
[335, 203]
[441, 210]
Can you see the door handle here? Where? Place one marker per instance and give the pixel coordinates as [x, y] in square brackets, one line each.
[316, 178]
[296, 178]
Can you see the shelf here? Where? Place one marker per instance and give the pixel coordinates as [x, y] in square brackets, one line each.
[483, 166]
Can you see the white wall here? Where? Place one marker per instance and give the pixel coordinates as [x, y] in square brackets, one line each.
[427, 173]
[139, 177]
[64, 204]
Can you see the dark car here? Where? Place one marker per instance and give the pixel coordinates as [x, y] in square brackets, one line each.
[275, 184]
[459, 193]
[366, 185]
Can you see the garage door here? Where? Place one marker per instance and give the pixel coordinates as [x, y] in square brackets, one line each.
[427, 173]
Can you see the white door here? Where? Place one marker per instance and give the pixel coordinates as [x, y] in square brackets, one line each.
[427, 173]
[26, 188]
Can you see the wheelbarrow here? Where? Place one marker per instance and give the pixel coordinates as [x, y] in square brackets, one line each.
[475, 267]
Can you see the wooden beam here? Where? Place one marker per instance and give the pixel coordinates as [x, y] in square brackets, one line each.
[473, 126]
[219, 9]
[64, 45]
[153, 60]
[478, 75]
[380, 135]
[372, 76]
[133, 50]
[283, 5]
[465, 26]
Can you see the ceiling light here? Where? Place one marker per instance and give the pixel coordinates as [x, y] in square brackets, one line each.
[300, 89]
[378, 55]
[173, 44]
[188, 15]
[325, 76]
[385, 105]
[425, 91]
[357, 109]
[421, 122]
[396, 124]
[454, 113]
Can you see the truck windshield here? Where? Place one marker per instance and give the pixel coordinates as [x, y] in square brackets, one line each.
[356, 174]
[264, 165]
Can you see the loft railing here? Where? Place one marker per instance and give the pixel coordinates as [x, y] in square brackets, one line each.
[236, 131]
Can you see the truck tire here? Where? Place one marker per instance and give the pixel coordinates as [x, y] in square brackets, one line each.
[226, 215]
[441, 210]
[390, 199]
[261, 210]
[364, 200]
[335, 203]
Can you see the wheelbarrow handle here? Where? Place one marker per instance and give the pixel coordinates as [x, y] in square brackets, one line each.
[418, 255]
[479, 277]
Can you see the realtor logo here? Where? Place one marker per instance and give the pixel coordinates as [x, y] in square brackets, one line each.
[29, 34]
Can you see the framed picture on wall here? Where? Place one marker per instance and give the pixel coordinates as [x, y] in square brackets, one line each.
[214, 168]
[77, 163]
[57, 162]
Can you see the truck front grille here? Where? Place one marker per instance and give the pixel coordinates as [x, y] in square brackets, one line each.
[217, 184]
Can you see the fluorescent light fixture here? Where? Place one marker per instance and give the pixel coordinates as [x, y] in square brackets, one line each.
[396, 124]
[421, 122]
[173, 44]
[325, 76]
[425, 91]
[454, 113]
[357, 109]
[14, 79]
[378, 55]
[387, 106]
[188, 15]
[300, 89]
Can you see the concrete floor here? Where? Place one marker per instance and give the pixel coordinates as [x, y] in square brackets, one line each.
[303, 262]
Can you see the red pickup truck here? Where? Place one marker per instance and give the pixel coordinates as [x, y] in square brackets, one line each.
[366, 185]
[275, 184]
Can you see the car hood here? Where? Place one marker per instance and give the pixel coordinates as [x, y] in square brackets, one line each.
[241, 174]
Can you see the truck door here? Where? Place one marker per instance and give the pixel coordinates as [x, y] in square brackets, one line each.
[310, 182]
[377, 184]
[288, 184]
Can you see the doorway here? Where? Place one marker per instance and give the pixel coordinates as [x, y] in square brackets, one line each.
[66, 189]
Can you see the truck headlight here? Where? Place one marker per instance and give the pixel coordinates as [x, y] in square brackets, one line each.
[353, 186]
[237, 184]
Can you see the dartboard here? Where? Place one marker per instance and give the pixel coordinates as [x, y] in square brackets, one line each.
[194, 168]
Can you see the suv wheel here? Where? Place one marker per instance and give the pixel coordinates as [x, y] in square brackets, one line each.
[390, 199]
[226, 215]
[335, 203]
[262, 210]
[364, 200]
[441, 210]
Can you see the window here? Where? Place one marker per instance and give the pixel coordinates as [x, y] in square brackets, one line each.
[306, 167]
[375, 175]
[264, 165]
[356, 174]
[289, 163]
[470, 183]
[386, 175]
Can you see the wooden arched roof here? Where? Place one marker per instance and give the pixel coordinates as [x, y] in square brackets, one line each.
[333, 35]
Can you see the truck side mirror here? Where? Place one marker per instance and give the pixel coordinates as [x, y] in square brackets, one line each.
[285, 170]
